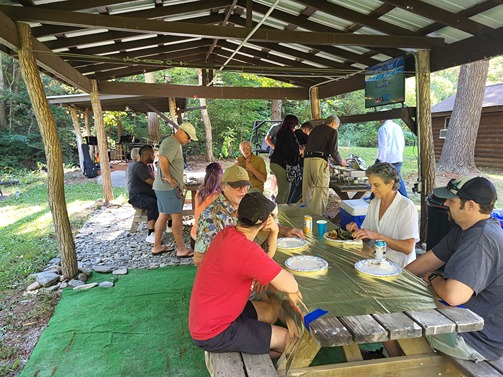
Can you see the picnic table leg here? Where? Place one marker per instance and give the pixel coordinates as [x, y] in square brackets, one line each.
[303, 355]
[414, 346]
[352, 352]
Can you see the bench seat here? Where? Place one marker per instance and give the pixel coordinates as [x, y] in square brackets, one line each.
[239, 364]
[485, 368]
[140, 216]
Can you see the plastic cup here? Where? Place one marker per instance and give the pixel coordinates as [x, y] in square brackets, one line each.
[322, 227]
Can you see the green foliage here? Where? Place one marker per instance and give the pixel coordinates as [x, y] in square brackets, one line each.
[27, 230]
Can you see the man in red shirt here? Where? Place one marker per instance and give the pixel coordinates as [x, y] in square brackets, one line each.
[221, 318]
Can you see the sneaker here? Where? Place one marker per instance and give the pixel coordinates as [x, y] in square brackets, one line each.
[150, 238]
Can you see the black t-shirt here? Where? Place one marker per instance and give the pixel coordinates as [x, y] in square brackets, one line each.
[323, 139]
[137, 185]
[301, 137]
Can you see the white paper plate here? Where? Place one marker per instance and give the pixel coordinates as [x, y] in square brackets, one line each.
[346, 242]
[306, 263]
[289, 243]
[375, 267]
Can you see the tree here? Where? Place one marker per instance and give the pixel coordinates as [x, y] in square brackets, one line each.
[206, 121]
[154, 134]
[459, 148]
[3, 116]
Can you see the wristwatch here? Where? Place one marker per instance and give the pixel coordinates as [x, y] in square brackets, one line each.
[432, 276]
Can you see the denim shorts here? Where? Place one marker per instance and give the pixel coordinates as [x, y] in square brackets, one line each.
[170, 201]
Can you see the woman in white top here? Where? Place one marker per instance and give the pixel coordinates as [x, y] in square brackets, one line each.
[390, 217]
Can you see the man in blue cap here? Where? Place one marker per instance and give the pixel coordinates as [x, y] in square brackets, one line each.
[472, 257]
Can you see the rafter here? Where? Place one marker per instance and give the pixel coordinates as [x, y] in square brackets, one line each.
[188, 29]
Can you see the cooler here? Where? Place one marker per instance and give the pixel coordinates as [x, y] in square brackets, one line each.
[353, 211]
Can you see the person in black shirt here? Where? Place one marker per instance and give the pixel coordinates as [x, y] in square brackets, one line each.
[141, 194]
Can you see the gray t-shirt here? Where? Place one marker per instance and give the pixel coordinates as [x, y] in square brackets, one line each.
[172, 150]
[475, 257]
[272, 132]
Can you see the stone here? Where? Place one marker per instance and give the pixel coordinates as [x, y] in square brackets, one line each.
[33, 286]
[53, 288]
[75, 283]
[85, 270]
[46, 279]
[103, 269]
[106, 284]
[63, 284]
[83, 287]
[120, 271]
[82, 277]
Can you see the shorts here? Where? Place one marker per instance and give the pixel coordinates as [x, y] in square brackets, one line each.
[170, 201]
[245, 334]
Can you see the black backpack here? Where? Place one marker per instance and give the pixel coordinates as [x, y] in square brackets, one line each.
[90, 170]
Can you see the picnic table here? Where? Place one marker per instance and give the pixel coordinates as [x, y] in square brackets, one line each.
[191, 186]
[363, 309]
[344, 189]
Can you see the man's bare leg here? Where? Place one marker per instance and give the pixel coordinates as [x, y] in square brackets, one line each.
[177, 229]
[160, 224]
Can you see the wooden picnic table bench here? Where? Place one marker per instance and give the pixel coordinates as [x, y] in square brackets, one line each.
[8, 183]
[239, 364]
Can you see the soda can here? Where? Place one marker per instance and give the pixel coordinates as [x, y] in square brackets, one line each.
[308, 224]
[380, 250]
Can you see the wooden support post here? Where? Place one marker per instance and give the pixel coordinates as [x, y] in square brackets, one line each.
[106, 178]
[425, 135]
[172, 110]
[315, 103]
[52, 146]
[78, 136]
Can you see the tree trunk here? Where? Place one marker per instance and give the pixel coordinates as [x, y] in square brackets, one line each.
[207, 123]
[425, 136]
[315, 103]
[78, 136]
[458, 153]
[106, 178]
[154, 133]
[276, 109]
[52, 146]
[3, 116]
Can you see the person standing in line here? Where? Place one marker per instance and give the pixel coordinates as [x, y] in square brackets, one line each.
[270, 140]
[321, 144]
[390, 147]
[472, 257]
[168, 187]
[302, 135]
[286, 152]
[254, 164]
[206, 194]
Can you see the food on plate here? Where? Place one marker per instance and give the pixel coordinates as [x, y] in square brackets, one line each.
[340, 234]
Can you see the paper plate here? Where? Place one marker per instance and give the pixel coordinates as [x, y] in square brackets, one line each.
[375, 267]
[289, 243]
[306, 263]
[345, 242]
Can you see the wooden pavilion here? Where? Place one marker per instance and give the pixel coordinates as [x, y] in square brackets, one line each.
[320, 47]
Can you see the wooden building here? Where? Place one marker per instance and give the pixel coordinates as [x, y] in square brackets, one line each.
[488, 148]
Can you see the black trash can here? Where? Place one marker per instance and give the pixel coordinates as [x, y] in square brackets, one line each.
[438, 221]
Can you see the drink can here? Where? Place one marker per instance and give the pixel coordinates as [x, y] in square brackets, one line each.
[380, 250]
[308, 224]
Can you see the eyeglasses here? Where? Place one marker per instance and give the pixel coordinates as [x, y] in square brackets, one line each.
[188, 136]
[240, 188]
[451, 186]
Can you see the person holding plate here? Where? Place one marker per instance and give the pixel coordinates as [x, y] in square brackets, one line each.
[390, 217]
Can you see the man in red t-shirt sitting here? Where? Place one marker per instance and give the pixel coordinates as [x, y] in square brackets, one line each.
[221, 318]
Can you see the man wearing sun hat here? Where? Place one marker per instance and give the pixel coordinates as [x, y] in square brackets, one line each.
[223, 211]
[472, 256]
[221, 316]
[168, 187]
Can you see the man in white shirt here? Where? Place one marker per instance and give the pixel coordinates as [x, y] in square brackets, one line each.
[390, 144]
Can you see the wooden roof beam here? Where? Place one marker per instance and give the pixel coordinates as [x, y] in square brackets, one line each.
[45, 57]
[188, 29]
[188, 91]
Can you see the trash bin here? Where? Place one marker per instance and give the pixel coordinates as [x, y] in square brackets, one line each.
[438, 221]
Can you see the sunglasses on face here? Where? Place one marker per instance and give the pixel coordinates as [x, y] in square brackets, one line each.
[455, 190]
[241, 188]
[188, 136]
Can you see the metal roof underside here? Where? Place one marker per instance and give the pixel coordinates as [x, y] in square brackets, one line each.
[324, 43]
